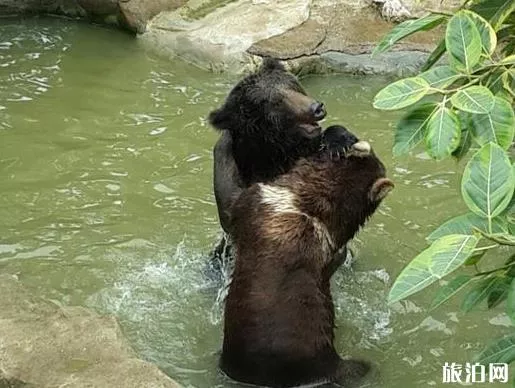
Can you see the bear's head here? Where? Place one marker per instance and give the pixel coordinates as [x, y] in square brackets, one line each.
[342, 192]
[272, 122]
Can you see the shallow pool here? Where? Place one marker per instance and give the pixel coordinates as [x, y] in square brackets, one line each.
[106, 201]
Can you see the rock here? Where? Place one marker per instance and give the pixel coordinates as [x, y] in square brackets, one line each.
[219, 40]
[339, 37]
[297, 42]
[418, 8]
[45, 345]
[99, 7]
[309, 35]
[234, 35]
[393, 10]
[399, 63]
[136, 13]
[61, 7]
[130, 14]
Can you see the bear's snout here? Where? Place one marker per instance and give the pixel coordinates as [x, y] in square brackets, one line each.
[361, 148]
[318, 110]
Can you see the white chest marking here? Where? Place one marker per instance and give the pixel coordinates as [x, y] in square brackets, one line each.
[282, 200]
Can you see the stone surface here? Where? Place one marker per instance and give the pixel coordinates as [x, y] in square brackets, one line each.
[44, 345]
[233, 35]
[310, 36]
[136, 13]
[99, 7]
[393, 10]
[340, 37]
[219, 41]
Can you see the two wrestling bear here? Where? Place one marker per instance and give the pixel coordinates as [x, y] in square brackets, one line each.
[290, 197]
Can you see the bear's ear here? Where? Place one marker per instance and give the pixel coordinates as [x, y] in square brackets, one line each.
[380, 189]
[219, 119]
[270, 64]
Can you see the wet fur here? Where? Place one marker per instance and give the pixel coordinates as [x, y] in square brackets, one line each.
[279, 314]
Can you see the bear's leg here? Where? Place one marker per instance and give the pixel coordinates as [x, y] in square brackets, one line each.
[221, 261]
[345, 256]
[350, 370]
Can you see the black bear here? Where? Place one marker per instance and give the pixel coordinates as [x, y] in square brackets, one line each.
[267, 123]
[279, 313]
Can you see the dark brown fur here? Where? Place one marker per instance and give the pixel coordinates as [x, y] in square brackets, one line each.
[279, 314]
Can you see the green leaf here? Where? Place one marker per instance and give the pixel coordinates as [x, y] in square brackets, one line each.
[475, 258]
[440, 77]
[508, 82]
[509, 47]
[499, 351]
[499, 292]
[510, 304]
[486, 32]
[511, 227]
[501, 238]
[435, 55]
[400, 94]
[407, 28]
[509, 60]
[488, 181]
[442, 133]
[411, 128]
[494, 81]
[450, 289]
[465, 224]
[474, 99]
[463, 42]
[441, 258]
[478, 294]
[488, 8]
[497, 126]
[465, 142]
[510, 209]
[502, 13]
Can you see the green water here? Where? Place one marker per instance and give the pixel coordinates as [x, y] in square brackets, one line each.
[106, 201]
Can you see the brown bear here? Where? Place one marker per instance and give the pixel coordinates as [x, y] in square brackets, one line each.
[279, 313]
[267, 123]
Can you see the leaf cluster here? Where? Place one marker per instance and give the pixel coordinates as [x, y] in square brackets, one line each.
[461, 104]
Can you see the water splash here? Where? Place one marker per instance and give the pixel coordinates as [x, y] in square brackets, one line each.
[359, 299]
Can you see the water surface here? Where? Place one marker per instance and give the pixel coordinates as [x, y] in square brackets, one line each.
[106, 201]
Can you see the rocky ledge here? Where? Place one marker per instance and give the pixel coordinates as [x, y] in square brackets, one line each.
[232, 35]
[44, 345]
[312, 36]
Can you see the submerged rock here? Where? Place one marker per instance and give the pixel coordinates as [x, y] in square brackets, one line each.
[44, 345]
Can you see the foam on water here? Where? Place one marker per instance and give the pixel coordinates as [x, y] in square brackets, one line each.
[153, 299]
[359, 299]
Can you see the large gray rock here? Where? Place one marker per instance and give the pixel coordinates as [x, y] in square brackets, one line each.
[220, 40]
[233, 35]
[44, 345]
[136, 13]
[309, 35]
[340, 37]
